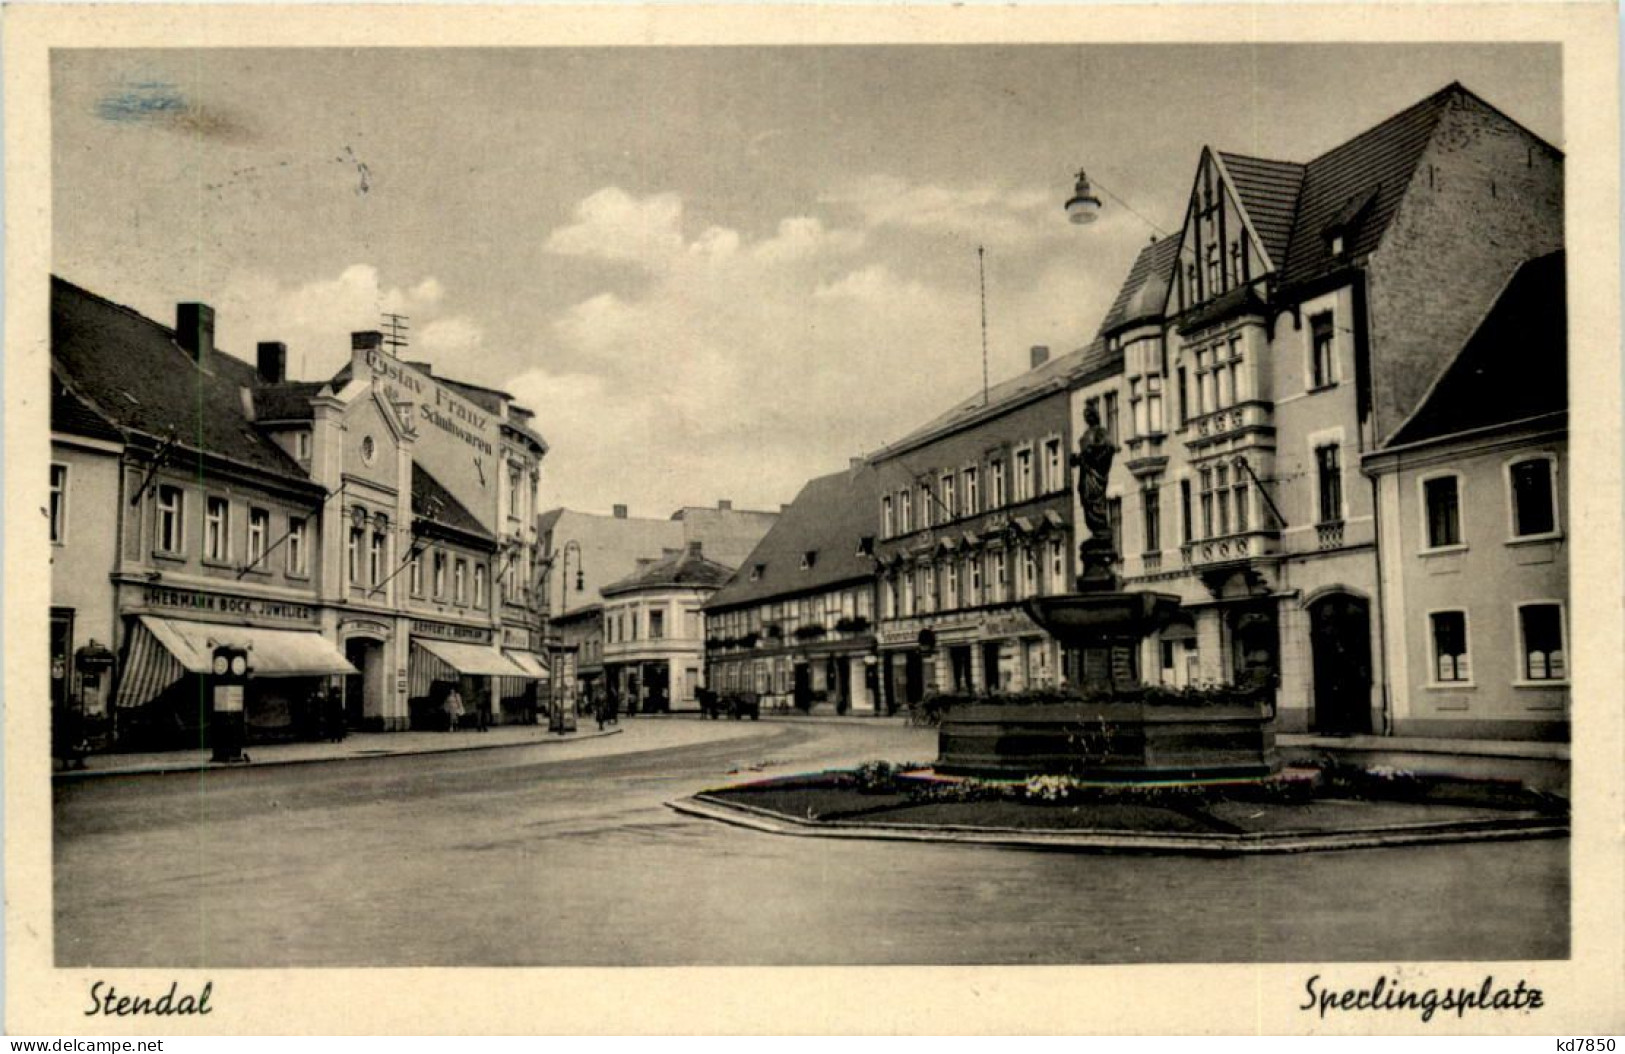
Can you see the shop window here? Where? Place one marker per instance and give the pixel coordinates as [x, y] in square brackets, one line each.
[1540, 631]
[1450, 662]
[1534, 498]
[1441, 497]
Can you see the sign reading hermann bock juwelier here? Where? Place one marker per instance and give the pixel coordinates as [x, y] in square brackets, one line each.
[451, 631]
[192, 600]
[458, 442]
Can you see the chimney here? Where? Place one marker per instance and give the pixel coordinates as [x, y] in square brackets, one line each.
[724, 505]
[194, 331]
[620, 512]
[271, 361]
[366, 340]
[1040, 355]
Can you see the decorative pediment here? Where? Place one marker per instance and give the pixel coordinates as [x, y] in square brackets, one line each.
[1223, 246]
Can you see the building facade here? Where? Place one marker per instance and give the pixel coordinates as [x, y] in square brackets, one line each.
[1474, 555]
[654, 642]
[796, 622]
[975, 515]
[307, 521]
[1307, 309]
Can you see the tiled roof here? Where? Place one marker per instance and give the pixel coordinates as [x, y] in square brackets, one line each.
[130, 369]
[74, 416]
[829, 518]
[1269, 194]
[1513, 367]
[1375, 164]
[685, 567]
[433, 502]
[1055, 375]
[289, 401]
[1145, 290]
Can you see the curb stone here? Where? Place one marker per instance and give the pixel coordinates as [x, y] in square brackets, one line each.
[1106, 841]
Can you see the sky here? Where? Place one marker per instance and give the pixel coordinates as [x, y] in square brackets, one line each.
[712, 272]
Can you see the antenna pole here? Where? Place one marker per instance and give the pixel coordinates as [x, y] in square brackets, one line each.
[395, 328]
[981, 278]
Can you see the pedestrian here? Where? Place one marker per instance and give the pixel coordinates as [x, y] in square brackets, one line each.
[337, 725]
[454, 710]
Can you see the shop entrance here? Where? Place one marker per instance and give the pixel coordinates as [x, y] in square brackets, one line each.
[364, 691]
[657, 687]
[1340, 637]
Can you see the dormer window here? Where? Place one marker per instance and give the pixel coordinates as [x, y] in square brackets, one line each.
[756, 572]
[1337, 244]
[808, 559]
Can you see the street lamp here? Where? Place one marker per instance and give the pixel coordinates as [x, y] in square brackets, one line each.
[1083, 206]
[558, 722]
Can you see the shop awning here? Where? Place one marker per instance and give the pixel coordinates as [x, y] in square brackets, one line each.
[478, 660]
[533, 665]
[162, 650]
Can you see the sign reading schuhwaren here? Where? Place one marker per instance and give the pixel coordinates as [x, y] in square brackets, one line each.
[458, 442]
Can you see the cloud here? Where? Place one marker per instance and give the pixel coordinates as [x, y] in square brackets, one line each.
[315, 318]
[613, 225]
[983, 213]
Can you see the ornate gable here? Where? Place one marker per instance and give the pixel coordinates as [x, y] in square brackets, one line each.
[1221, 247]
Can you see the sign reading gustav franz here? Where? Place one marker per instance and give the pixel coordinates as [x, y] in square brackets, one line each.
[460, 448]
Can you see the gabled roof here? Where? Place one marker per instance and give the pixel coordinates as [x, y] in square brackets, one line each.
[431, 501]
[830, 518]
[73, 416]
[1144, 293]
[133, 373]
[1376, 164]
[1513, 367]
[684, 567]
[1056, 375]
[1268, 191]
[289, 401]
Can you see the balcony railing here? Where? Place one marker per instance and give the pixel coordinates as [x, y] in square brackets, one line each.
[1151, 562]
[1221, 424]
[1329, 534]
[1230, 549]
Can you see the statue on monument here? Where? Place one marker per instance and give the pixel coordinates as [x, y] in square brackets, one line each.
[1094, 464]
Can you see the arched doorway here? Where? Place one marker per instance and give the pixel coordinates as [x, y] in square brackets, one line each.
[364, 691]
[1340, 638]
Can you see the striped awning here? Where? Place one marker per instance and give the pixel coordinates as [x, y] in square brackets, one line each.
[163, 650]
[438, 660]
[534, 666]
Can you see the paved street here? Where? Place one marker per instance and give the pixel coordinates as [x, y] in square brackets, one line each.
[565, 855]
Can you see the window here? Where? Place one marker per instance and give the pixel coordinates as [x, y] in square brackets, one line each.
[298, 552]
[1057, 566]
[998, 575]
[217, 529]
[515, 474]
[907, 578]
[1024, 473]
[1450, 665]
[927, 505]
[973, 573]
[809, 559]
[375, 558]
[1184, 397]
[1054, 473]
[301, 445]
[369, 449]
[1442, 497]
[1029, 572]
[416, 573]
[1136, 408]
[1329, 474]
[888, 599]
[1185, 511]
[926, 588]
[950, 586]
[905, 513]
[459, 582]
[59, 503]
[1114, 518]
[632, 624]
[439, 575]
[1321, 346]
[1152, 497]
[479, 586]
[1204, 383]
[1221, 496]
[972, 497]
[996, 495]
[1214, 264]
[950, 508]
[1206, 478]
[259, 526]
[1534, 504]
[1111, 416]
[888, 524]
[1540, 631]
[353, 555]
[1153, 405]
[657, 624]
[1238, 491]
